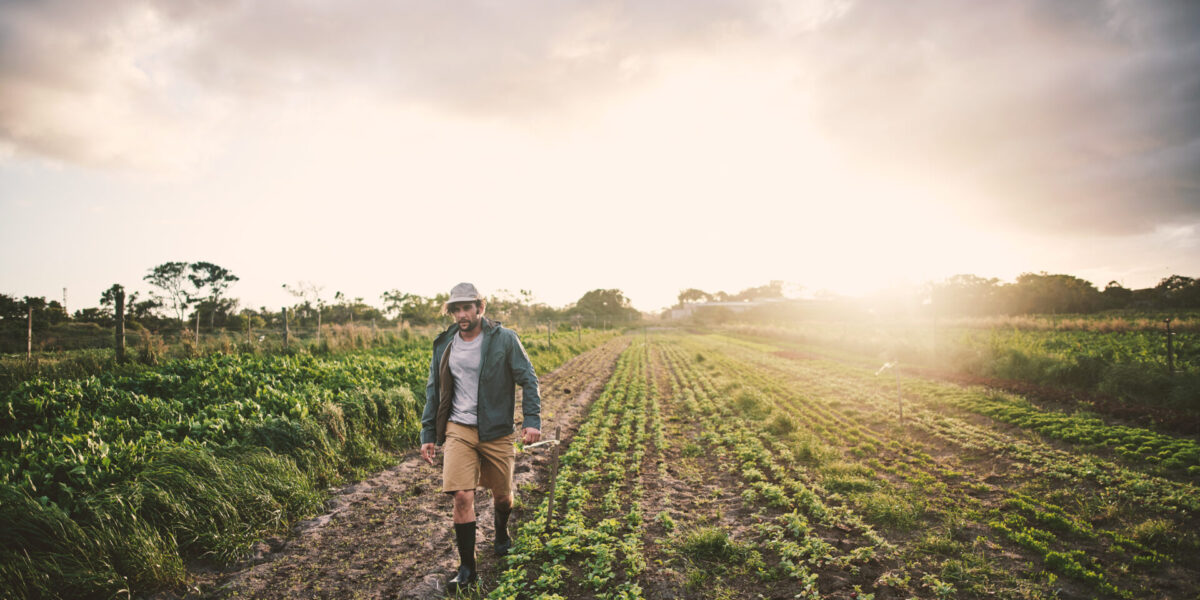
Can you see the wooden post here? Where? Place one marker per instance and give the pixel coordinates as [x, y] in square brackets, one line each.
[1170, 348]
[120, 334]
[553, 478]
[29, 338]
[286, 332]
[197, 325]
[318, 325]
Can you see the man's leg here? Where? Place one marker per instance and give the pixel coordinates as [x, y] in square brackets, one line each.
[464, 506]
[497, 458]
[459, 478]
[503, 506]
[464, 538]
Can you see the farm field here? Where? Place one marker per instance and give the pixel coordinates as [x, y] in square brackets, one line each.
[1114, 365]
[111, 484]
[717, 466]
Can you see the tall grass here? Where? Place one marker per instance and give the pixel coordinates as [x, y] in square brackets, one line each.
[189, 501]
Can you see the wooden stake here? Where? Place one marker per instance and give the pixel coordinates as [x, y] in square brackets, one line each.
[1170, 348]
[286, 333]
[29, 338]
[553, 479]
[120, 334]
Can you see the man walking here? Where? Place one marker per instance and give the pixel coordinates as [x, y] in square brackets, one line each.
[469, 409]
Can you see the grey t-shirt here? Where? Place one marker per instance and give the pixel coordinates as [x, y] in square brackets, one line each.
[464, 366]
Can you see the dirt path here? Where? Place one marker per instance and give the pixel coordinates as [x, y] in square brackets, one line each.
[390, 536]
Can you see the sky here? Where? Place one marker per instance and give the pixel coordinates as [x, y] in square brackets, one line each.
[561, 146]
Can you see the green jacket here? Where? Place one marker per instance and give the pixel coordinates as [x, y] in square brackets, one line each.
[504, 364]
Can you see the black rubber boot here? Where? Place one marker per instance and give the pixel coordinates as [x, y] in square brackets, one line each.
[503, 543]
[464, 537]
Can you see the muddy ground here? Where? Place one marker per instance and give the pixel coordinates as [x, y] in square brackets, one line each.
[391, 536]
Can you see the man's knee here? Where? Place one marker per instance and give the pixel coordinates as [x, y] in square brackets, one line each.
[464, 498]
[503, 503]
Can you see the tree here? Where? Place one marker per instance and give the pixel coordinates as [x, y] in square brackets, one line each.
[217, 279]
[417, 310]
[694, 295]
[610, 306]
[310, 293]
[965, 294]
[771, 290]
[1043, 293]
[1116, 295]
[108, 300]
[1178, 291]
[172, 278]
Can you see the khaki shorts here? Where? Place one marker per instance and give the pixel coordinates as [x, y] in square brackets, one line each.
[470, 464]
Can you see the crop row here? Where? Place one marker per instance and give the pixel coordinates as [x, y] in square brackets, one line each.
[1121, 553]
[595, 537]
[806, 517]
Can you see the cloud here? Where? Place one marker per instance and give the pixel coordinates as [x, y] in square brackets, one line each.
[78, 84]
[1061, 115]
[78, 81]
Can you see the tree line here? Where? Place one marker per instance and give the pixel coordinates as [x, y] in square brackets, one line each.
[1042, 293]
[1031, 293]
[185, 297]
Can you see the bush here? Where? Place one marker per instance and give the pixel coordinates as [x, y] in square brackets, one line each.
[1137, 383]
[752, 405]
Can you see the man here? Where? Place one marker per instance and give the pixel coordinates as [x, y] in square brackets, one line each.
[469, 409]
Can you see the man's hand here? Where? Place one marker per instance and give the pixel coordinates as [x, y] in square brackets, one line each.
[531, 435]
[428, 451]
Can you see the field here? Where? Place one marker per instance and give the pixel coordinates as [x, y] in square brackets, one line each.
[716, 467]
[1118, 362]
[702, 465]
[111, 483]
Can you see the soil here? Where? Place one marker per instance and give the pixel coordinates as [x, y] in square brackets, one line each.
[391, 536]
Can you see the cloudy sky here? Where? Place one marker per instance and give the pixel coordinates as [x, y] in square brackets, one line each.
[561, 146]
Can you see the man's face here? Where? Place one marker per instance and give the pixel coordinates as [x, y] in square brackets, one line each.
[466, 314]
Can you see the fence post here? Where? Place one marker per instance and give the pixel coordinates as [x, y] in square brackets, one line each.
[1170, 348]
[286, 332]
[120, 334]
[29, 337]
